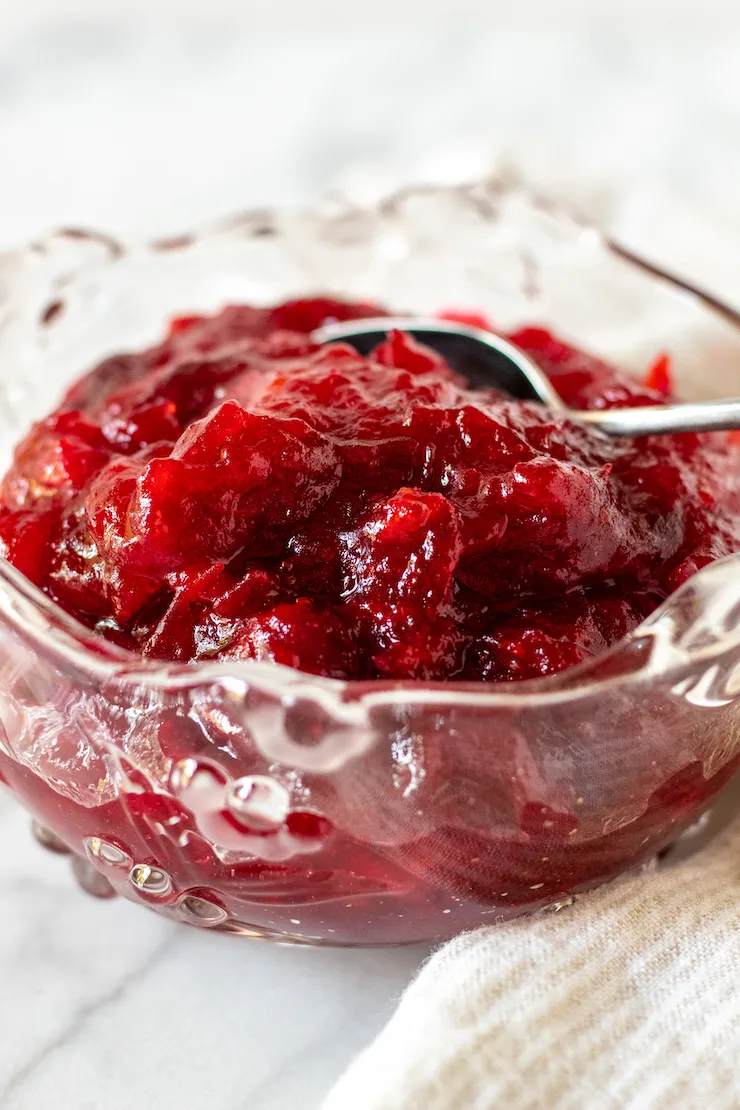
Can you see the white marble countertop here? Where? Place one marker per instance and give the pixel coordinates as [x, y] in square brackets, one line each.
[106, 1007]
[149, 117]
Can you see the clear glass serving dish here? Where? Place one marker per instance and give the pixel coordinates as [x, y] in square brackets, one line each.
[250, 798]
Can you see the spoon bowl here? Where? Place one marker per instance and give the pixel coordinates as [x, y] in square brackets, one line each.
[486, 360]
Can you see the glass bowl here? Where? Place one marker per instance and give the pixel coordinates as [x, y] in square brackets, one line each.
[249, 798]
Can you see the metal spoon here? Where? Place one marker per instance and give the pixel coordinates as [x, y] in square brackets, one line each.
[485, 359]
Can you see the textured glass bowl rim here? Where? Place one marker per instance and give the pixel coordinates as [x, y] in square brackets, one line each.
[54, 633]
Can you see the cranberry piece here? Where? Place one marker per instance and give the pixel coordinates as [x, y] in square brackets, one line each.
[202, 616]
[255, 591]
[111, 375]
[232, 328]
[25, 538]
[172, 636]
[55, 460]
[301, 635]
[310, 313]
[399, 570]
[229, 476]
[542, 640]
[472, 319]
[107, 510]
[659, 377]
[180, 324]
[160, 405]
[403, 352]
[77, 570]
[313, 564]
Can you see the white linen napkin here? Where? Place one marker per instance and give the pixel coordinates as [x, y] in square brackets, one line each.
[627, 1000]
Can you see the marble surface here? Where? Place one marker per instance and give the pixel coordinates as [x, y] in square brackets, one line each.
[145, 118]
[106, 1007]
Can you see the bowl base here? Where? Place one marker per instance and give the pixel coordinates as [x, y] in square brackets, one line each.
[691, 840]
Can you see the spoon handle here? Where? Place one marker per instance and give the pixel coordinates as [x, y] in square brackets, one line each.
[696, 416]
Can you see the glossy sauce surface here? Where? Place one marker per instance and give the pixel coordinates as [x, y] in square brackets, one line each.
[239, 492]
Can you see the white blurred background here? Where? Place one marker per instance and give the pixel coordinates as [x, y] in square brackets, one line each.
[149, 116]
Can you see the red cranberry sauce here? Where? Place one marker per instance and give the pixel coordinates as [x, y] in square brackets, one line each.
[238, 492]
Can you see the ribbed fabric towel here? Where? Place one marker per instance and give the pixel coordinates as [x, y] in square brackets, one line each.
[627, 1000]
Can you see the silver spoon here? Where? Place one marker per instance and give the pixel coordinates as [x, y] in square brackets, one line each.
[485, 359]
